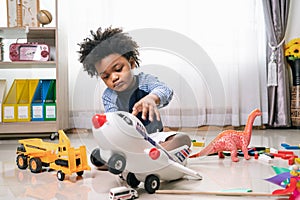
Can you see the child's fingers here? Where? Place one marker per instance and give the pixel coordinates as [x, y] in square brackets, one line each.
[137, 108]
[151, 113]
[148, 109]
[157, 114]
[145, 111]
[152, 110]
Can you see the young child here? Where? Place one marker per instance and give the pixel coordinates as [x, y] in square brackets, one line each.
[113, 55]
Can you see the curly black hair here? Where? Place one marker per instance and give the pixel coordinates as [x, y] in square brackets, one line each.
[102, 44]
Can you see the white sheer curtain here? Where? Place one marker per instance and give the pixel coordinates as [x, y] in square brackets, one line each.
[227, 44]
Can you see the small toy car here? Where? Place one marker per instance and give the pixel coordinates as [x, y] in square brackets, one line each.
[123, 193]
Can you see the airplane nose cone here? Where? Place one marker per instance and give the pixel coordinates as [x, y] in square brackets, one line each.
[98, 120]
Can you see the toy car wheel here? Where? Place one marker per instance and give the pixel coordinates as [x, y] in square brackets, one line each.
[53, 136]
[116, 164]
[35, 165]
[60, 175]
[152, 183]
[22, 161]
[79, 173]
[132, 180]
[96, 158]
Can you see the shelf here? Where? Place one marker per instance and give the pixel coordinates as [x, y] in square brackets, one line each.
[55, 38]
[28, 127]
[33, 32]
[27, 64]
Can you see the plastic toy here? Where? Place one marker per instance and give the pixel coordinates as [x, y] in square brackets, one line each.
[286, 155]
[197, 144]
[123, 193]
[35, 154]
[232, 140]
[252, 151]
[290, 179]
[292, 147]
[125, 146]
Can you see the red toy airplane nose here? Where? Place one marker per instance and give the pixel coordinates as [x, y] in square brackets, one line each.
[154, 153]
[98, 120]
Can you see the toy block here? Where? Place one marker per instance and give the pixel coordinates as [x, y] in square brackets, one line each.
[286, 155]
[287, 146]
[198, 144]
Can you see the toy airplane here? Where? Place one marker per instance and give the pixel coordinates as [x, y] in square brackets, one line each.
[125, 146]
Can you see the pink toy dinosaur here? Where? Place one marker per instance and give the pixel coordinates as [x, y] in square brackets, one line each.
[232, 140]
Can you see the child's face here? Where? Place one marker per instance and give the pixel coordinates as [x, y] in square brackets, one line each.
[115, 71]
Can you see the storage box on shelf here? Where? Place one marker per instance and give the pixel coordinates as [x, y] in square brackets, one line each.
[50, 103]
[24, 103]
[43, 106]
[17, 103]
[11, 100]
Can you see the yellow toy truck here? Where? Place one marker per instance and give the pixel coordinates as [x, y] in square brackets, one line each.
[36, 154]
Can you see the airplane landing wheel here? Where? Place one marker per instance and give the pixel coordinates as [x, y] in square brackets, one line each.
[152, 184]
[131, 180]
[96, 158]
[116, 164]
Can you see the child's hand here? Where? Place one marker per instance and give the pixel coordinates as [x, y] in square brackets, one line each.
[148, 106]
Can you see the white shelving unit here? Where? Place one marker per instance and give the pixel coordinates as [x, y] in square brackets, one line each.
[53, 37]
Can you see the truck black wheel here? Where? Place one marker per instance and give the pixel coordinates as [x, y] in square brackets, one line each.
[22, 161]
[35, 165]
[152, 183]
[132, 180]
[53, 136]
[79, 173]
[60, 175]
[116, 164]
[96, 158]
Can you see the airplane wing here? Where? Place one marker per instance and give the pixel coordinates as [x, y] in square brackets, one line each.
[185, 170]
[155, 153]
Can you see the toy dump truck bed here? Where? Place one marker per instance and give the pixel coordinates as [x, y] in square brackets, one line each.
[36, 154]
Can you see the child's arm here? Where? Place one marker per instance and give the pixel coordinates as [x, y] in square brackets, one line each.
[108, 100]
[159, 96]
